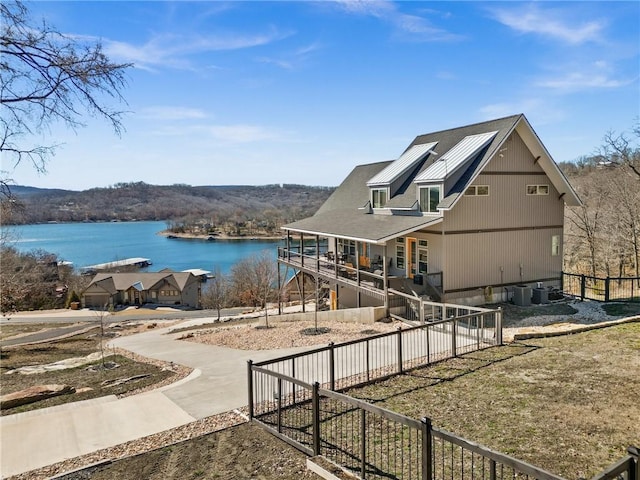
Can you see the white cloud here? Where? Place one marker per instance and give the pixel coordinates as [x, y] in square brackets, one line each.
[171, 113]
[600, 74]
[293, 60]
[242, 133]
[228, 134]
[412, 27]
[174, 51]
[549, 23]
[579, 81]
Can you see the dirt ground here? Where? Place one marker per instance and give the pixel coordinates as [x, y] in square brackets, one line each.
[93, 377]
[242, 452]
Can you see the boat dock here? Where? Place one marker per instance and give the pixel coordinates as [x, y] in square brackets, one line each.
[127, 262]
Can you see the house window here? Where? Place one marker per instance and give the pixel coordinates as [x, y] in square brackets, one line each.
[423, 256]
[348, 247]
[378, 197]
[477, 191]
[537, 189]
[555, 245]
[400, 252]
[429, 199]
[154, 294]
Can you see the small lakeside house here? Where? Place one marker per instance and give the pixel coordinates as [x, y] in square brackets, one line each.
[465, 215]
[160, 288]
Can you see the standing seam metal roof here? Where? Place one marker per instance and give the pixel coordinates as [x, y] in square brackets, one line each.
[407, 160]
[456, 157]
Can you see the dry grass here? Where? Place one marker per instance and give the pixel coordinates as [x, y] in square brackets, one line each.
[567, 404]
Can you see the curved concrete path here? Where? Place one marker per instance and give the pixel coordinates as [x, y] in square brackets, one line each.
[42, 437]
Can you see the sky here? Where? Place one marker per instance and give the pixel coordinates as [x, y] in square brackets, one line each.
[255, 93]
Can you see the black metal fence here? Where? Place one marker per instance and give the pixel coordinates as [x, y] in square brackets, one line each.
[375, 443]
[348, 364]
[296, 398]
[602, 289]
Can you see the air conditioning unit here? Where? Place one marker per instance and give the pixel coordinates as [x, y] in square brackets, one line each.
[522, 295]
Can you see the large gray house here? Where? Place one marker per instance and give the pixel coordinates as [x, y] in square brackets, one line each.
[462, 216]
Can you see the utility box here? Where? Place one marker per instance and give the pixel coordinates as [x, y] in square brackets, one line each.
[522, 295]
[540, 295]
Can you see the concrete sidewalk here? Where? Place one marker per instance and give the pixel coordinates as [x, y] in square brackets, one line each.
[218, 384]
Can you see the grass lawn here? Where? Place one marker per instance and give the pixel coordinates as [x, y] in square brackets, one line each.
[567, 404]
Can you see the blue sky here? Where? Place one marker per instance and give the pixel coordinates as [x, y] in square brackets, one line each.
[301, 92]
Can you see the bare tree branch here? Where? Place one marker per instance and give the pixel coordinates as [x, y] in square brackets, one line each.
[49, 77]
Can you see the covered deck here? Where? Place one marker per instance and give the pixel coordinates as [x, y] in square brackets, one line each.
[362, 267]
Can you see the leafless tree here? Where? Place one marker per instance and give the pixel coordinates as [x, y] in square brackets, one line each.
[623, 149]
[216, 291]
[254, 281]
[49, 77]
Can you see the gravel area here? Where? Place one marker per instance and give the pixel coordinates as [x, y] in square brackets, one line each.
[588, 313]
[283, 334]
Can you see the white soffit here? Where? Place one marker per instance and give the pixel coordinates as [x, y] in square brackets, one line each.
[456, 157]
[407, 160]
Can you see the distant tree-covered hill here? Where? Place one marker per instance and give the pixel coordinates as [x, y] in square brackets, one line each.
[268, 204]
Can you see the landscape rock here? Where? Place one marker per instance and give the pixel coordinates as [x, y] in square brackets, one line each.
[34, 394]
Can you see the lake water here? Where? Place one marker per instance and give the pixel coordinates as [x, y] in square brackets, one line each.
[92, 243]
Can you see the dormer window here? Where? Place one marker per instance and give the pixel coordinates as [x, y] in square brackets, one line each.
[429, 198]
[378, 197]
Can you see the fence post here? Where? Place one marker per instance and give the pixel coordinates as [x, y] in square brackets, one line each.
[399, 337]
[279, 403]
[250, 387]
[499, 326]
[315, 405]
[492, 469]
[583, 286]
[454, 346]
[607, 283]
[427, 449]
[332, 368]
[363, 443]
[634, 472]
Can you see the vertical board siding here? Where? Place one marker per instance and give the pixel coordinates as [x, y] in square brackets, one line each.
[508, 205]
[475, 259]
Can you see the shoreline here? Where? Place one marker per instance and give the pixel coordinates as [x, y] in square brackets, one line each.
[215, 238]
